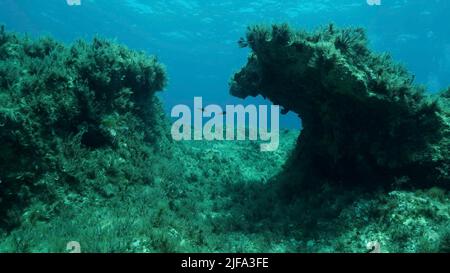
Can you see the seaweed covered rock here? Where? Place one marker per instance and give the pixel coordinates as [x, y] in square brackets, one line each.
[74, 117]
[364, 120]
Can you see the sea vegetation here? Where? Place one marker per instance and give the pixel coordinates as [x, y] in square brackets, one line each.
[365, 122]
[85, 155]
[74, 118]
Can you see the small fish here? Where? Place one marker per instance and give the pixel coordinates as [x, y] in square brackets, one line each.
[204, 111]
[242, 43]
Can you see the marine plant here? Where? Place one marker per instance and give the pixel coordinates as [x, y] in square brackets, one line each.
[365, 121]
[74, 117]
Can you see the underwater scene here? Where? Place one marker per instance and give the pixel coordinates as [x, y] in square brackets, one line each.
[194, 126]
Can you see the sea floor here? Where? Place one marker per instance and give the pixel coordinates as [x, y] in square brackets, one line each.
[225, 197]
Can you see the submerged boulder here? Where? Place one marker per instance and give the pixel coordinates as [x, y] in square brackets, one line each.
[364, 120]
[73, 117]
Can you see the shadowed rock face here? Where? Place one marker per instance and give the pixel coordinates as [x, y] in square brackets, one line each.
[364, 120]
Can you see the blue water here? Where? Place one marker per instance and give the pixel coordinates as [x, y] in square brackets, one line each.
[196, 39]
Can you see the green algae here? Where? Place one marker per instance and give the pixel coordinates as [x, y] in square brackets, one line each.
[74, 118]
[218, 199]
[364, 120]
[86, 157]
